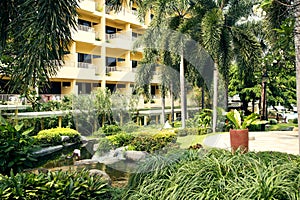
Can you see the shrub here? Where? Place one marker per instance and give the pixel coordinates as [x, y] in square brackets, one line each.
[153, 142]
[142, 141]
[15, 149]
[216, 174]
[53, 136]
[111, 129]
[120, 139]
[130, 127]
[295, 121]
[56, 185]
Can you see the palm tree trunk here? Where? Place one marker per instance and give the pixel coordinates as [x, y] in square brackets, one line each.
[163, 104]
[183, 92]
[172, 102]
[297, 52]
[215, 97]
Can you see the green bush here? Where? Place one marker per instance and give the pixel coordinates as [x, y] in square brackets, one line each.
[56, 185]
[16, 147]
[111, 129]
[130, 127]
[141, 141]
[53, 136]
[120, 139]
[216, 174]
[295, 121]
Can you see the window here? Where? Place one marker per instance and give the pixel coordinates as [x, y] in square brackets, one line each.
[111, 61]
[121, 86]
[121, 59]
[84, 88]
[85, 58]
[134, 63]
[84, 23]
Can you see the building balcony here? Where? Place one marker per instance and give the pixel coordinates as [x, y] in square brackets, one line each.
[125, 15]
[114, 73]
[85, 34]
[87, 5]
[77, 70]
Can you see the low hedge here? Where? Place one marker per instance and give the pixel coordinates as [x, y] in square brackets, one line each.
[53, 136]
[141, 141]
[56, 185]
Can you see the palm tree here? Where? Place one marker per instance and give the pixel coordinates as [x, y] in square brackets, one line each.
[36, 35]
[222, 36]
[297, 53]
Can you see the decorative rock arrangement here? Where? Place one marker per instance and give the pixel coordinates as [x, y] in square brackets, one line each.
[102, 174]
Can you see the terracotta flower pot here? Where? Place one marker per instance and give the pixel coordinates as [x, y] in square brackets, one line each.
[239, 139]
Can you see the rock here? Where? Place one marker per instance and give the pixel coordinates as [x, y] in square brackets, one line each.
[85, 162]
[65, 138]
[102, 174]
[47, 150]
[135, 155]
[295, 129]
[95, 147]
[83, 139]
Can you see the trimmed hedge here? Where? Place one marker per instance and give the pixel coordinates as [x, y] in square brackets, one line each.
[53, 136]
[56, 185]
[140, 141]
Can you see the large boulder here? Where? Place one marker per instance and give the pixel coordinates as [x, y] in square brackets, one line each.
[102, 174]
[135, 155]
[85, 162]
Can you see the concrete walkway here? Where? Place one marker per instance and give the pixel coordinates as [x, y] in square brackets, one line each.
[282, 141]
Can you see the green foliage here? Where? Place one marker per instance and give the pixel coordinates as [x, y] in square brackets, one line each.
[140, 141]
[217, 174]
[120, 139]
[130, 127]
[236, 120]
[55, 185]
[52, 136]
[188, 131]
[104, 145]
[111, 129]
[153, 142]
[15, 147]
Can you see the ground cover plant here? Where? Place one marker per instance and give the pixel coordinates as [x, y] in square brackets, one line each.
[56, 185]
[217, 174]
[16, 147]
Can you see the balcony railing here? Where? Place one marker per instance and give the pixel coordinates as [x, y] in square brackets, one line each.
[111, 69]
[85, 28]
[117, 35]
[85, 65]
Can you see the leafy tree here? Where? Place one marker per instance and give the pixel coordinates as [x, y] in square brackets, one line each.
[34, 37]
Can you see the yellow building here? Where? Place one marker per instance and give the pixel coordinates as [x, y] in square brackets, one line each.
[101, 54]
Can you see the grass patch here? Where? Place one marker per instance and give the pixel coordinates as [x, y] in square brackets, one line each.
[186, 141]
[281, 127]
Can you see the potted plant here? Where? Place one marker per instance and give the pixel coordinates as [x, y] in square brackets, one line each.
[239, 133]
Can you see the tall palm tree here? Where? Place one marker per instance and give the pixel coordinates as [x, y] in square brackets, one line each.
[36, 35]
[225, 40]
[297, 53]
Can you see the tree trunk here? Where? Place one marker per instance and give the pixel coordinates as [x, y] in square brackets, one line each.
[297, 53]
[215, 97]
[172, 102]
[163, 102]
[202, 96]
[226, 94]
[183, 93]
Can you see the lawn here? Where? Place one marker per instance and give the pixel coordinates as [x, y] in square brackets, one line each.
[186, 141]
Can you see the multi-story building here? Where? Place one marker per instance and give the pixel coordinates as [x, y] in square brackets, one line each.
[101, 54]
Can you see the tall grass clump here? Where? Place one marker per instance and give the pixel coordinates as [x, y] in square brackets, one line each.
[217, 174]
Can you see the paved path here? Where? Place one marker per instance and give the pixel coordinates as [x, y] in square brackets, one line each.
[282, 141]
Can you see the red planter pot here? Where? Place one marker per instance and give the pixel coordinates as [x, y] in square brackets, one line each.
[239, 139]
